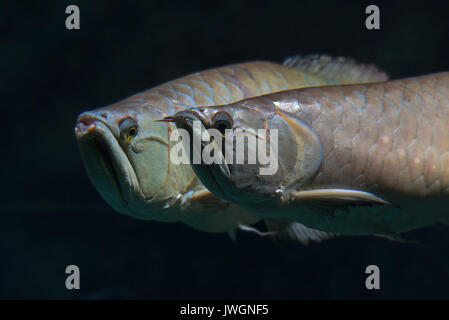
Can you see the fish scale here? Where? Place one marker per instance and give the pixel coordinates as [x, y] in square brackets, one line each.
[416, 162]
[385, 144]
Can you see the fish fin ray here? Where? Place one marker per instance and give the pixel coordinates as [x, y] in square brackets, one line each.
[338, 70]
[289, 230]
[328, 201]
[205, 200]
[397, 238]
[233, 235]
[247, 228]
[338, 195]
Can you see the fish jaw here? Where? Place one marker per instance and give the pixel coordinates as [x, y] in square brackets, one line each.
[184, 120]
[107, 165]
[227, 181]
[127, 175]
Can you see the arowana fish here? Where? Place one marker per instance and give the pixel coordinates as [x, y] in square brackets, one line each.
[354, 159]
[126, 152]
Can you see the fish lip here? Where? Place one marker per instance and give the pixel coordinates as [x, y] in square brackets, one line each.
[101, 150]
[128, 197]
[184, 120]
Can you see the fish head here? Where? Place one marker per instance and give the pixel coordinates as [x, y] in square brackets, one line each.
[271, 150]
[126, 154]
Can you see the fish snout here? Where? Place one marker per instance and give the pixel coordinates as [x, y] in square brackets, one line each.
[87, 123]
[84, 126]
[185, 119]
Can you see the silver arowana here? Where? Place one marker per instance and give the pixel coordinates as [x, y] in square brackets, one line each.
[352, 159]
[126, 152]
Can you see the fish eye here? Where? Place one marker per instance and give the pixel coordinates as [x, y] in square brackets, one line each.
[128, 129]
[132, 132]
[222, 121]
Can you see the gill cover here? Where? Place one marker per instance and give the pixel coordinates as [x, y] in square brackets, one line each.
[302, 163]
[298, 156]
[148, 154]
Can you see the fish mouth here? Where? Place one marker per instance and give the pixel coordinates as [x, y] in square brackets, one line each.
[227, 180]
[108, 167]
[184, 119]
[211, 175]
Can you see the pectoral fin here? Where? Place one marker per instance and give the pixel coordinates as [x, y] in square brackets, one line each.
[328, 201]
[338, 195]
[206, 200]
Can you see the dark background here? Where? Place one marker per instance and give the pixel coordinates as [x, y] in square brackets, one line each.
[51, 216]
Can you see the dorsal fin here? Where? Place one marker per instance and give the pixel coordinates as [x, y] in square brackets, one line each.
[338, 70]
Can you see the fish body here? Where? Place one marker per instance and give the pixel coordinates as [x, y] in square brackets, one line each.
[352, 159]
[127, 153]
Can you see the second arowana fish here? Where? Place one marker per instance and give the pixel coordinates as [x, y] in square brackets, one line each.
[351, 159]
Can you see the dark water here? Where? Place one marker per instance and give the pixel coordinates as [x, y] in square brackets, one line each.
[51, 216]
